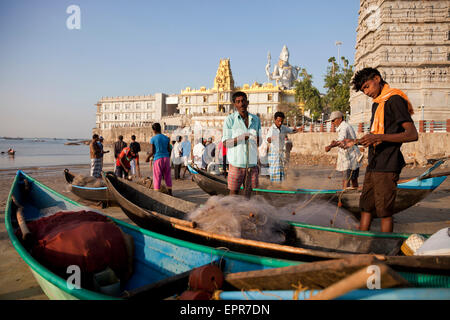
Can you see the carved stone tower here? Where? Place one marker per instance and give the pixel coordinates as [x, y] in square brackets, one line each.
[409, 42]
[224, 78]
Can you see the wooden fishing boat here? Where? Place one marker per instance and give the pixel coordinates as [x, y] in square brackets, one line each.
[408, 192]
[88, 193]
[157, 259]
[166, 214]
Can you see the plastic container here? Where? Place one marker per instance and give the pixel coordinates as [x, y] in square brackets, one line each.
[107, 282]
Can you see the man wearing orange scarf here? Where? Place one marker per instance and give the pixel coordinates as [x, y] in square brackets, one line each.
[391, 125]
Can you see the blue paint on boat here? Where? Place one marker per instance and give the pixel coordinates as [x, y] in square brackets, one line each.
[425, 184]
[362, 294]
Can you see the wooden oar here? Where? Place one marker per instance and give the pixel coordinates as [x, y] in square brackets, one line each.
[435, 175]
[176, 221]
[27, 236]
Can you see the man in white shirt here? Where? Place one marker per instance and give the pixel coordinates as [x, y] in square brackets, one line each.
[276, 139]
[177, 157]
[348, 161]
[197, 152]
[186, 146]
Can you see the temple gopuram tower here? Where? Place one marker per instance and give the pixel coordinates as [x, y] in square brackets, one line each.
[409, 42]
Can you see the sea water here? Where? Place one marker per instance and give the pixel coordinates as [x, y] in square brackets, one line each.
[42, 153]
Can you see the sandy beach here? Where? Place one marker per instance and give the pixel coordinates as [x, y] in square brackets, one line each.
[17, 282]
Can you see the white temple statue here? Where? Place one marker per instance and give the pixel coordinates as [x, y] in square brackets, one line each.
[283, 73]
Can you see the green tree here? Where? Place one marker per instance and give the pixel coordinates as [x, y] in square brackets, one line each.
[307, 94]
[337, 83]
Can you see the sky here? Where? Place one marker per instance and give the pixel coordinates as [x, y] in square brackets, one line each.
[51, 76]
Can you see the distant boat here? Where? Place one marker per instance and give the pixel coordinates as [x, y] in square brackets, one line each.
[10, 138]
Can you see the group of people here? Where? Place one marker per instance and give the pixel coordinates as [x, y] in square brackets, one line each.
[205, 152]
[126, 158]
[391, 125]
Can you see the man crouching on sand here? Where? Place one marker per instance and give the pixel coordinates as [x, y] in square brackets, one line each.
[391, 125]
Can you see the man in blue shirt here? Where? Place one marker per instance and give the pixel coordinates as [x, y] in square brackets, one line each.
[241, 136]
[160, 150]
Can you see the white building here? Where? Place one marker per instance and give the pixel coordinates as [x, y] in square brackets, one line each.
[134, 111]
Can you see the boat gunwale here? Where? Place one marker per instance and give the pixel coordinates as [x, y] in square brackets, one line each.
[405, 185]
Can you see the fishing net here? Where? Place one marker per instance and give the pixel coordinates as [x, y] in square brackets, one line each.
[319, 213]
[235, 217]
[257, 219]
[88, 181]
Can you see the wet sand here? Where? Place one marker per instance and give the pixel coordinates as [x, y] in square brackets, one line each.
[17, 282]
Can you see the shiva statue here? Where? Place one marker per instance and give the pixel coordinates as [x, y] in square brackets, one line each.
[283, 73]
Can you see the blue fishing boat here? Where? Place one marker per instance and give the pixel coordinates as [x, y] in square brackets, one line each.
[156, 257]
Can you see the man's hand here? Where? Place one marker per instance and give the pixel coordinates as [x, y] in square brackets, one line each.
[370, 139]
[327, 149]
[244, 136]
[347, 143]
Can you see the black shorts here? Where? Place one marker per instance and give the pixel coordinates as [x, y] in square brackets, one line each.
[378, 194]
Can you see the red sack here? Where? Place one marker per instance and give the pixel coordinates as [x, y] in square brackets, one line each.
[86, 239]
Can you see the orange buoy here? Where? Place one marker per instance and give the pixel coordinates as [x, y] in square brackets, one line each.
[208, 278]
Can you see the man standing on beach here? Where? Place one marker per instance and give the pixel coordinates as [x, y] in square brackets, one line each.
[135, 162]
[241, 136]
[177, 157]
[96, 157]
[186, 146]
[100, 143]
[160, 149]
[198, 153]
[118, 147]
[276, 139]
[348, 160]
[391, 125]
[209, 153]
